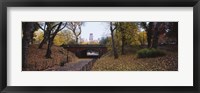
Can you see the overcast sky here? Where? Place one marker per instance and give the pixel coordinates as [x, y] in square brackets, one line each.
[99, 29]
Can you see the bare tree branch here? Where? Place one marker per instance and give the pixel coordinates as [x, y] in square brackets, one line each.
[54, 27]
[40, 26]
[63, 26]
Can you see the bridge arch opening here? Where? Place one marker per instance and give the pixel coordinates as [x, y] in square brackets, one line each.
[92, 52]
[87, 51]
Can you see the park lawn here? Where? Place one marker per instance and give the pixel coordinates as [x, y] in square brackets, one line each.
[129, 62]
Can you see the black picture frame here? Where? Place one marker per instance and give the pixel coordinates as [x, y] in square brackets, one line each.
[98, 3]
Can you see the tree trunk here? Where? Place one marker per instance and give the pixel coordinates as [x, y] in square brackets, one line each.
[50, 41]
[113, 46]
[43, 42]
[149, 38]
[155, 40]
[27, 28]
[113, 42]
[76, 39]
[25, 45]
[149, 34]
[31, 37]
[48, 53]
[123, 39]
[46, 34]
[157, 29]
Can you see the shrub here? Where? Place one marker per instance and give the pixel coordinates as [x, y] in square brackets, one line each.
[148, 53]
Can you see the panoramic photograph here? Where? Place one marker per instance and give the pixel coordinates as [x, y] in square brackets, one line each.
[99, 46]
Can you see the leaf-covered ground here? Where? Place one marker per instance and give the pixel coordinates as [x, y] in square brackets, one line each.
[73, 66]
[129, 62]
[36, 60]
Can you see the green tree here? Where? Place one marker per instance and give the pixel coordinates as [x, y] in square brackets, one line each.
[126, 33]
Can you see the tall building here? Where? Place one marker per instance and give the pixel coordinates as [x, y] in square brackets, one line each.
[91, 37]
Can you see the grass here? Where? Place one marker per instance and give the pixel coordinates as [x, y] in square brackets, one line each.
[130, 62]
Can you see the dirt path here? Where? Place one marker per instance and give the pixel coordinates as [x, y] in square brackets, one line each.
[76, 66]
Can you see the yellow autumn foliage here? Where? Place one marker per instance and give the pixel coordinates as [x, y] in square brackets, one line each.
[38, 36]
[59, 39]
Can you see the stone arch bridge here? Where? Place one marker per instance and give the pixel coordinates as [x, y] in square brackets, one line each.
[82, 51]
